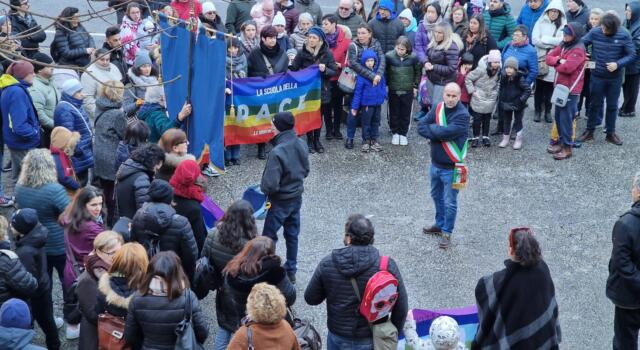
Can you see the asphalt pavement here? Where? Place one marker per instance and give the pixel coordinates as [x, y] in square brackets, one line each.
[571, 206]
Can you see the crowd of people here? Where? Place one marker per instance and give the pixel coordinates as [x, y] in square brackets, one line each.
[107, 195]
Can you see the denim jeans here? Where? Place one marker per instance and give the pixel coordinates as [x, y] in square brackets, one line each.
[370, 116]
[564, 120]
[285, 214]
[336, 342]
[232, 152]
[351, 125]
[445, 197]
[602, 89]
[223, 338]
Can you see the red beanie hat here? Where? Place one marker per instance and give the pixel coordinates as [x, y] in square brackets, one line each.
[184, 179]
[20, 69]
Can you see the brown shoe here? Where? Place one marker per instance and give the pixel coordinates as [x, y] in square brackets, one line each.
[554, 148]
[433, 230]
[564, 153]
[613, 138]
[586, 136]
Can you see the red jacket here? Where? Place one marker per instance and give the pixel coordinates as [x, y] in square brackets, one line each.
[183, 8]
[340, 52]
[568, 72]
[464, 95]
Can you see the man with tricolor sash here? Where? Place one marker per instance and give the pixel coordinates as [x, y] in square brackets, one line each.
[446, 126]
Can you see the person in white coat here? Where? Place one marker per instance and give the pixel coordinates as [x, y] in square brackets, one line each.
[102, 70]
[547, 34]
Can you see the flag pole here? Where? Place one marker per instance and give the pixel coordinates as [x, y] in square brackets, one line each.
[192, 21]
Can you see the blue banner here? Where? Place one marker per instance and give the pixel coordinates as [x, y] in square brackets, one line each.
[174, 43]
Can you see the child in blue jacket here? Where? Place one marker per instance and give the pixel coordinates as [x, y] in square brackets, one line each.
[367, 101]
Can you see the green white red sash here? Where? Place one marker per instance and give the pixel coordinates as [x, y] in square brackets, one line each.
[457, 156]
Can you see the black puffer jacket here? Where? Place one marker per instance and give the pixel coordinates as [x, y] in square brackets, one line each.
[287, 167]
[132, 187]
[152, 321]
[623, 284]
[174, 232]
[190, 209]
[445, 64]
[30, 31]
[114, 295]
[305, 59]
[514, 91]
[387, 31]
[276, 57]
[331, 281]
[15, 280]
[237, 289]
[69, 47]
[30, 249]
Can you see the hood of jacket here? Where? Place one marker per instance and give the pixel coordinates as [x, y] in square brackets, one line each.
[15, 338]
[7, 80]
[555, 5]
[578, 32]
[634, 21]
[353, 260]
[74, 101]
[413, 27]
[113, 289]
[157, 216]
[271, 272]
[129, 168]
[283, 136]
[387, 4]
[635, 209]
[104, 104]
[367, 54]
[37, 238]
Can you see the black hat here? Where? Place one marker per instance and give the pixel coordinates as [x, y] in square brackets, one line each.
[284, 121]
[42, 58]
[467, 58]
[24, 220]
[15, 3]
[160, 191]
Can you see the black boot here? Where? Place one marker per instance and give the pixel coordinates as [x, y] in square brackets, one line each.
[316, 142]
[261, 153]
[537, 116]
[310, 142]
[547, 117]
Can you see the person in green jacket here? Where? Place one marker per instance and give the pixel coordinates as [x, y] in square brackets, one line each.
[238, 12]
[499, 22]
[154, 113]
[44, 95]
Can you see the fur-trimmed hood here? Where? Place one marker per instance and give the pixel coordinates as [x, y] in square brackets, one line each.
[173, 160]
[115, 290]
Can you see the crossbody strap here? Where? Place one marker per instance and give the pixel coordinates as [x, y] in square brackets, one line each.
[67, 247]
[81, 117]
[269, 66]
[249, 337]
[573, 86]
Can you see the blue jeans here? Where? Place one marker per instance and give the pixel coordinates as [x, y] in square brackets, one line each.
[232, 152]
[370, 116]
[564, 120]
[223, 338]
[285, 214]
[445, 198]
[336, 342]
[602, 89]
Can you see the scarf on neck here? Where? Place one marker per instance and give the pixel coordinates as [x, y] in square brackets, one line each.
[430, 26]
[332, 39]
[270, 52]
[65, 162]
[522, 44]
[249, 44]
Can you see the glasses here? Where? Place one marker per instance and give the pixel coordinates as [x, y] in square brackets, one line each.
[210, 13]
[344, 8]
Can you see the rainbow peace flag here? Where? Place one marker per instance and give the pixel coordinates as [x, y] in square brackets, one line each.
[256, 100]
[467, 318]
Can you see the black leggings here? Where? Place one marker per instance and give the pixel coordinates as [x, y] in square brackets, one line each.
[480, 120]
[630, 93]
[509, 116]
[42, 311]
[333, 114]
[542, 96]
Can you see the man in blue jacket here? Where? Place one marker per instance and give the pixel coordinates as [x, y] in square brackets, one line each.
[531, 12]
[455, 130]
[612, 50]
[20, 125]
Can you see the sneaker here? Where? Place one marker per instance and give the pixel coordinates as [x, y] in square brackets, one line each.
[433, 230]
[445, 240]
[395, 139]
[365, 147]
[7, 168]
[375, 146]
[292, 277]
[486, 142]
[403, 140]
[6, 201]
[59, 322]
[72, 331]
[627, 114]
[210, 171]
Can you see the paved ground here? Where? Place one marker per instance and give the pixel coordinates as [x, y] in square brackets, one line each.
[571, 205]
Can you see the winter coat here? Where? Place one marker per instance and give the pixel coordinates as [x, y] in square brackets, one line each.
[617, 48]
[152, 321]
[290, 14]
[410, 32]
[258, 67]
[183, 8]
[87, 291]
[80, 245]
[174, 233]
[132, 187]
[91, 84]
[464, 94]
[355, 59]
[311, 7]
[158, 120]
[24, 26]
[445, 64]
[238, 12]
[190, 209]
[423, 37]
[298, 38]
[15, 280]
[45, 99]
[17, 338]
[305, 59]
[30, 248]
[49, 201]
[546, 36]
[512, 315]
[500, 24]
[111, 125]
[69, 181]
[114, 295]
[352, 22]
[171, 162]
[332, 281]
[527, 59]
[480, 48]
[70, 114]
[238, 289]
[339, 52]
[623, 283]
[69, 47]
[529, 17]
[117, 59]
[581, 16]
[366, 94]
[284, 42]
[122, 154]
[286, 168]
[482, 88]
[20, 125]
[265, 336]
[456, 130]
[403, 73]
[568, 72]
[633, 26]
[514, 91]
[386, 31]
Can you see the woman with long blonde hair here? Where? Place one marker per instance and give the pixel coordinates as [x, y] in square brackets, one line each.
[442, 59]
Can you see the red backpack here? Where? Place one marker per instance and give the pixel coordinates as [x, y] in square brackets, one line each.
[380, 294]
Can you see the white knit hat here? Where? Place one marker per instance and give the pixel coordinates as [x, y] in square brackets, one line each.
[444, 333]
[208, 7]
[406, 13]
[278, 20]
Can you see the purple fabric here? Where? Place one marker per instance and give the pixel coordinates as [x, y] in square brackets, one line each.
[421, 44]
[80, 245]
[332, 39]
[211, 212]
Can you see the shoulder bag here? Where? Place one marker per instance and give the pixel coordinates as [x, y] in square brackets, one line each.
[560, 95]
[185, 336]
[111, 332]
[347, 78]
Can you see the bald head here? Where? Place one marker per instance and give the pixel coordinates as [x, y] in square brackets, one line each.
[451, 95]
[345, 8]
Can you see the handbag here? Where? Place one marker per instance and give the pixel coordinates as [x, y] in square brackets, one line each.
[543, 67]
[111, 333]
[347, 78]
[560, 95]
[185, 336]
[306, 334]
